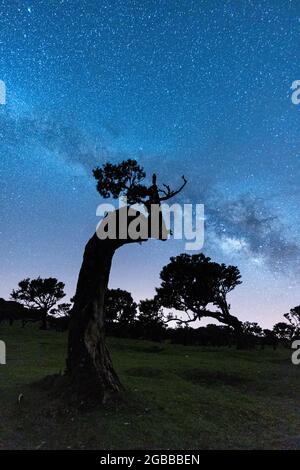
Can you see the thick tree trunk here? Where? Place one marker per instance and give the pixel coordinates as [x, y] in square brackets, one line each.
[238, 332]
[44, 324]
[88, 363]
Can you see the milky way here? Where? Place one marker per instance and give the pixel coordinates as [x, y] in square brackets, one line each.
[201, 88]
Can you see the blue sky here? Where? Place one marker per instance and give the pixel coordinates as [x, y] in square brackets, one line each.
[200, 88]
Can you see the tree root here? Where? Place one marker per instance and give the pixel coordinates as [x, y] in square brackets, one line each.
[77, 394]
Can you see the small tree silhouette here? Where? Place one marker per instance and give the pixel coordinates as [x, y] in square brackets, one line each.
[40, 294]
[283, 331]
[119, 307]
[191, 282]
[62, 310]
[252, 328]
[151, 319]
[293, 317]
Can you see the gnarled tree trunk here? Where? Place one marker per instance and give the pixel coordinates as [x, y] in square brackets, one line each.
[88, 363]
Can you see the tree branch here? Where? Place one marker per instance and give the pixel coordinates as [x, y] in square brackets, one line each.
[168, 193]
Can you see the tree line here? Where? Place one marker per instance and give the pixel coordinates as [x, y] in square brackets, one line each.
[37, 300]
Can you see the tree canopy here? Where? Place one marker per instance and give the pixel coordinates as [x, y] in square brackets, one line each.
[62, 310]
[283, 331]
[293, 317]
[150, 313]
[127, 179]
[119, 306]
[191, 282]
[123, 179]
[40, 294]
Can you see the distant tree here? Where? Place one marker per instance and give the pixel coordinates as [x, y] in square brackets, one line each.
[89, 366]
[251, 334]
[62, 310]
[150, 312]
[40, 294]
[191, 282]
[151, 319]
[252, 328]
[283, 331]
[269, 338]
[119, 307]
[59, 317]
[293, 317]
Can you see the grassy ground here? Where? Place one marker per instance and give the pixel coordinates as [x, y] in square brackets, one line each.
[177, 398]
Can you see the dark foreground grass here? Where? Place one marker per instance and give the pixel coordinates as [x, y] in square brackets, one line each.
[177, 398]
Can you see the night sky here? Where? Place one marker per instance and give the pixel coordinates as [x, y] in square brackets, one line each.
[200, 88]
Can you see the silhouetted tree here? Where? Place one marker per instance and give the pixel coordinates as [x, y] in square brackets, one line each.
[252, 328]
[252, 333]
[293, 318]
[119, 307]
[151, 319]
[61, 310]
[89, 364]
[283, 331]
[191, 282]
[59, 317]
[40, 294]
[269, 338]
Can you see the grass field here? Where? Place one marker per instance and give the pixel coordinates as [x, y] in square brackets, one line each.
[177, 398]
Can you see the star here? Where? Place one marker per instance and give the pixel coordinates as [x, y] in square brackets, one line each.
[194, 88]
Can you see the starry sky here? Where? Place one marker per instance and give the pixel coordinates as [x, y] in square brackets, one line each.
[201, 88]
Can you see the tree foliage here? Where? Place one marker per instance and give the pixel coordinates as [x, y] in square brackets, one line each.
[127, 179]
[40, 294]
[191, 282]
[122, 179]
[293, 317]
[62, 310]
[252, 328]
[150, 322]
[150, 313]
[119, 307]
[283, 331]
